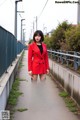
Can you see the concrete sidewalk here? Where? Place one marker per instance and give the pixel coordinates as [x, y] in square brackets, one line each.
[41, 99]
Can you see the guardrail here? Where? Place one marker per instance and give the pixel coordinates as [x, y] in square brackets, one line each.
[69, 58]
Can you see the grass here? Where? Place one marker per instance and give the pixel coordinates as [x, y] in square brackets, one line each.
[69, 102]
[20, 65]
[14, 93]
[23, 79]
[63, 94]
[22, 109]
[13, 97]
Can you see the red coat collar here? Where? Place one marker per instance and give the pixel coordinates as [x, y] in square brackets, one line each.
[36, 47]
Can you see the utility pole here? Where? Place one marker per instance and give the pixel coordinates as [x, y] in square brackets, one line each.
[33, 27]
[44, 29]
[23, 41]
[78, 18]
[21, 28]
[15, 29]
[36, 23]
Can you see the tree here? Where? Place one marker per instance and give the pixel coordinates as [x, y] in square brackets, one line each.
[48, 42]
[73, 38]
[30, 41]
[58, 36]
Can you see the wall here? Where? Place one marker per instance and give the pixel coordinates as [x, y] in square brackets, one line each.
[67, 78]
[6, 81]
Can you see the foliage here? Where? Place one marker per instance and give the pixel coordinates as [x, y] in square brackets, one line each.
[14, 93]
[48, 42]
[30, 41]
[65, 37]
[57, 39]
[73, 38]
[58, 36]
[69, 102]
[63, 94]
[22, 109]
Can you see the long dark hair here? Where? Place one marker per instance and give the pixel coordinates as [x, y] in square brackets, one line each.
[38, 32]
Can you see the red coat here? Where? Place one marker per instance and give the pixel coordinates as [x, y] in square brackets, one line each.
[37, 62]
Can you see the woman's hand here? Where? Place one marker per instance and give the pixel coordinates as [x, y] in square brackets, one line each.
[30, 73]
[47, 71]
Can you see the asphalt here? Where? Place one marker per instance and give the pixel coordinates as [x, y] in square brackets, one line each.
[41, 99]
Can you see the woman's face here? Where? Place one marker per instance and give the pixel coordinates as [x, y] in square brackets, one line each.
[37, 38]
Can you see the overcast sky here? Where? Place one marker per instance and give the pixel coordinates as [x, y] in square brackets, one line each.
[52, 15]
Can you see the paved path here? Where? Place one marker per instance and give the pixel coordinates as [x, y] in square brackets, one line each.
[41, 99]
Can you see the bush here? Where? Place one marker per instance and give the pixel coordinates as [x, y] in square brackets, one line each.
[73, 38]
[58, 37]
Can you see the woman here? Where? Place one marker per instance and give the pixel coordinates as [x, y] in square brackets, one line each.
[38, 57]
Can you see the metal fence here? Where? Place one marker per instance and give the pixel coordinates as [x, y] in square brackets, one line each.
[8, 49]
[68, 58]
[20, 47]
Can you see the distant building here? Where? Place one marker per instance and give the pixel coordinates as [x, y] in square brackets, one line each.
[50, 33]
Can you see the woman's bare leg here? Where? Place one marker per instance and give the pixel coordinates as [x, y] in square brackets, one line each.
[42, 77]
[34, 77]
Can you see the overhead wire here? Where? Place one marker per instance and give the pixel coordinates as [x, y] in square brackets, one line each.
[43, 9]
[11, 2]
[3, 2]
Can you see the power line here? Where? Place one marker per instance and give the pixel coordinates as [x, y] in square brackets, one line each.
[11, 3]
[3, 2]
[43, 9]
